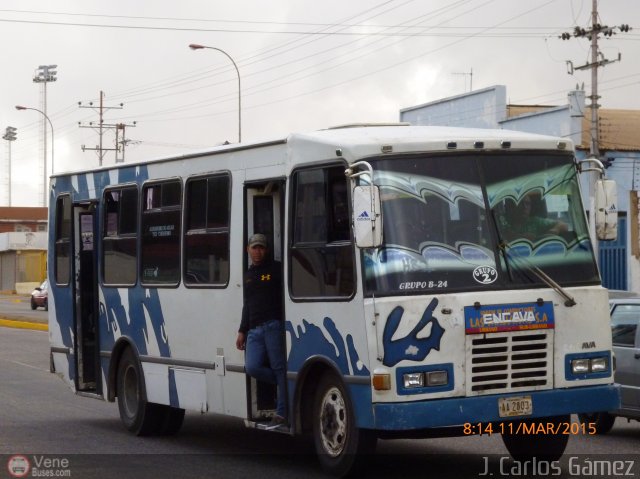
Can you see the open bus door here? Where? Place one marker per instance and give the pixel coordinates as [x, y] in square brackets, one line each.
[264, 213]
[86, 298]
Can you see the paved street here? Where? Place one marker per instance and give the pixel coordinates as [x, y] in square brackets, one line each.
[18, 307]
[42, 419]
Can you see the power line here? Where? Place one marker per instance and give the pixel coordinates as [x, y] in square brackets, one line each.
[250, 22]
[516, 33]
[367, 74]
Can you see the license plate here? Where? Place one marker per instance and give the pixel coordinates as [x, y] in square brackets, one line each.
[515, 406]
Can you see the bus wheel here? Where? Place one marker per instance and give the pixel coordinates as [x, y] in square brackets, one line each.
[602, 421]
[172, 418]
[548, 443]
[339, 444]
[138, 416]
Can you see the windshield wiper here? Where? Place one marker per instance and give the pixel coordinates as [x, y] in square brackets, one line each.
[542, 276]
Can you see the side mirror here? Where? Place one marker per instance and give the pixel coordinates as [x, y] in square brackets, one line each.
[367, 216]
[606, 210]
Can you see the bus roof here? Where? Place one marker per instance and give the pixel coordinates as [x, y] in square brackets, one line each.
[358, 142]
[363, 140]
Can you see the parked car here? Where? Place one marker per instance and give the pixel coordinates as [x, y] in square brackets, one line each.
[625, 318]
[40, 296]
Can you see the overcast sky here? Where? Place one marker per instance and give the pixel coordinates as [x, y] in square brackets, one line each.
[304, 65]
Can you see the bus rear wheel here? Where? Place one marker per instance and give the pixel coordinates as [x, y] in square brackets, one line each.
[524, 443]
[139, 416]
[339, 444]
[602, 421]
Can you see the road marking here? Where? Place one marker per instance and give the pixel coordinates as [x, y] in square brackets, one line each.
[9, 323]
[25, 364]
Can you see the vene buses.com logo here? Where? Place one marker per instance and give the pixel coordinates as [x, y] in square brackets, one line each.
[18, 466]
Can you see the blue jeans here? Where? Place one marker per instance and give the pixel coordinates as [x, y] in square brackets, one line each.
[265, 359]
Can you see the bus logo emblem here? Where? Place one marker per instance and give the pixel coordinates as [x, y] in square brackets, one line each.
[485, 274]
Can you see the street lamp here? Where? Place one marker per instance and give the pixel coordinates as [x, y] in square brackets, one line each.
[44, 194]
[9, 135]
[195, 46]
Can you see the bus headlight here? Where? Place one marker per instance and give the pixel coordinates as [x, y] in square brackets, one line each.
[437, 378]
[593, 365]
[429, 378]
[413, 380]
[580, 366]
[589, 365]
[599, 365]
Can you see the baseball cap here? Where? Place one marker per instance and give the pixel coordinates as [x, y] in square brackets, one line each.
[258, 239]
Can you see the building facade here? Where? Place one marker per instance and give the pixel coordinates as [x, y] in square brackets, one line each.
[23, 248]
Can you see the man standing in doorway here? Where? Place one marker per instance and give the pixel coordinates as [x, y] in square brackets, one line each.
[261, 330]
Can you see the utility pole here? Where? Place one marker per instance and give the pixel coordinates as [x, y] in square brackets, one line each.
[597, 60]
[465, 74]
[102, 126]
[121, 140]
[9, 135]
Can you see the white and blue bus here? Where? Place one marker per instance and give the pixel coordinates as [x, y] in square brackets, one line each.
[416, 302]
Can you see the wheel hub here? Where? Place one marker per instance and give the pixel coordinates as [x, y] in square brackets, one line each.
[333, 422]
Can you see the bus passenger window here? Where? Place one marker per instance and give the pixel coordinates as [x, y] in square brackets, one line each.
[160, 251]
[63, 240]
[120, 227]
[206, 241]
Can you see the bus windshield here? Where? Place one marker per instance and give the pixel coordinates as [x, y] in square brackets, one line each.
[478, 222]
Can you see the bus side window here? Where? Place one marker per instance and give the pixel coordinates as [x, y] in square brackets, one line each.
[160, 251]
[120, 229]
[206, 241]
[63, 240]
[322, 262]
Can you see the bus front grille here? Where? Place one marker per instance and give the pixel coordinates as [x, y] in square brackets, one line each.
[509, 362]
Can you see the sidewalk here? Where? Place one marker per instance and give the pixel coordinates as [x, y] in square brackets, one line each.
[15, 312]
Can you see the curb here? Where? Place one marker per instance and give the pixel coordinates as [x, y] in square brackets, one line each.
[17, 324]
[17, 320]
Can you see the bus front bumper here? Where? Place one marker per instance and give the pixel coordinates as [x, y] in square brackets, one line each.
[484, 409]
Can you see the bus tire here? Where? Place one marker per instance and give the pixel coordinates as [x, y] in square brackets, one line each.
[602, 421]
[139, 416]
[524, 446]
[172, 420]
[340, 445]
